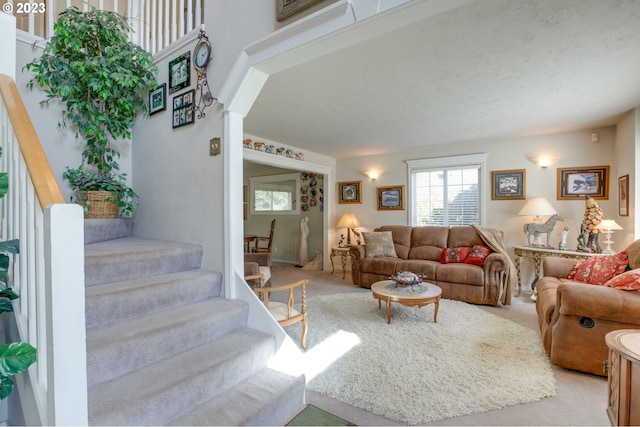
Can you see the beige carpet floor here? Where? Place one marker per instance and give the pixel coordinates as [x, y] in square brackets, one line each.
[580, 400]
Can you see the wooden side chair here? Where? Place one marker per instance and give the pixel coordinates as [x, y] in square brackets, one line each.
[287, 314]
[268, 240]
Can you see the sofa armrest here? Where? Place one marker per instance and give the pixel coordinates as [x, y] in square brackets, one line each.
[557, 267]
[357, 254]
[495, 263]
[598, 302]
[261, 258]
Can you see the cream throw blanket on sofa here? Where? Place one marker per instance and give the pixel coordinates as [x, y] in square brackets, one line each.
[493, 238]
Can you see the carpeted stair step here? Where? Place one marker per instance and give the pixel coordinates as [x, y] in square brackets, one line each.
[126, 347]
[99, 229]
[266, 398]
[112, 303]
[164, 391]
[131, 258]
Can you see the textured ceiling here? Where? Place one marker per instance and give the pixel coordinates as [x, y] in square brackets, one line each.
[491, 68]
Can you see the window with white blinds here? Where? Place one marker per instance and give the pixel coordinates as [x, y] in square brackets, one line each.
[446, 191]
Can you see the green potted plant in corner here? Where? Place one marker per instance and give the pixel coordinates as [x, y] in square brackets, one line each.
[102, 80]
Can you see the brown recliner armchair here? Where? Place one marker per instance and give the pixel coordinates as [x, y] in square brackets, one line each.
[574, 317]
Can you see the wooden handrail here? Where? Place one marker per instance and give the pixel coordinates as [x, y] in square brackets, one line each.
[44, 181]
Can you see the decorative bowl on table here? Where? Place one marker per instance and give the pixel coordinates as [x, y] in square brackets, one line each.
[406, 278]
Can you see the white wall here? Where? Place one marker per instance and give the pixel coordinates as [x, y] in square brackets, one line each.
[180, 185]
[8, 49]
[626, 159]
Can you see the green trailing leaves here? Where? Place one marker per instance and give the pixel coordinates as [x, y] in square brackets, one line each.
[102, 80]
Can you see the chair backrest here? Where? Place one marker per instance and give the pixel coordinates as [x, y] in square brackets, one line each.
[273, 226]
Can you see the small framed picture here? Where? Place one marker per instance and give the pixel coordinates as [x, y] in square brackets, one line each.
[350, 192]
[180, 72]
[183, 109]
[623, 195]
[576, 183]
[158, 99]
[508, 184]
[390, 198]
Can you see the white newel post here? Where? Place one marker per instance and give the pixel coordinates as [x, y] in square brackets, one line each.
[67, 360]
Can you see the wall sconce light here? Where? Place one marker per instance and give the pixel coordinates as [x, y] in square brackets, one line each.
[543, 161]
[372, 175]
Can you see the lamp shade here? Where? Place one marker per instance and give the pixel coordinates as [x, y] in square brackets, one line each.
[538, 206]
[348, 220]
[608, 225]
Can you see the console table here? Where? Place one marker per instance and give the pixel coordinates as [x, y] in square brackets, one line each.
[343, 252]
[537, 253]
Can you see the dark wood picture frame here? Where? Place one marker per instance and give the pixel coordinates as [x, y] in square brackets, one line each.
[391, 198]
[350, 192]
[158, 99]
[180, 72]
[509, 184]
[287, 8]
[623, 195]
[576, 183]
[183, 112]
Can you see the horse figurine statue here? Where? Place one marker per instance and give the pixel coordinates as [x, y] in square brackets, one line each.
[532, 229]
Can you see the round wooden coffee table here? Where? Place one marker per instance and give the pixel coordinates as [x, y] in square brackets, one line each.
[386, 290]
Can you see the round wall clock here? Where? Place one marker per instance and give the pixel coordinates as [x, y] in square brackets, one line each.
[202, 54]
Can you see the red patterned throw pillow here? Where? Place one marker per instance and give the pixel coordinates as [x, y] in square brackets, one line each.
[628, 281]
[598, 269]
[450, 255]
[478, 254]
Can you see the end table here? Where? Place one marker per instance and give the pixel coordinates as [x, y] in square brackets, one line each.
[343, 252]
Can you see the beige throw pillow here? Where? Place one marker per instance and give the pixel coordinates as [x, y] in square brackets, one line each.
[379, 243]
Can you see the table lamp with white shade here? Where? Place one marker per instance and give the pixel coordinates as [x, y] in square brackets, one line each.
[608, 226]
[348, 221]
[537, 207]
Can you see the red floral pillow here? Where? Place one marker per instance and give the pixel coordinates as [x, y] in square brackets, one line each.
[450, 255]
[628, 281]
[478, 254]
[598, 269]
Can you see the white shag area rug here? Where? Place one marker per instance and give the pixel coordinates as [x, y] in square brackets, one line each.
[414, 370]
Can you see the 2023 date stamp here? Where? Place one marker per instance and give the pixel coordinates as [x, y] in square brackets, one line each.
[24, 8]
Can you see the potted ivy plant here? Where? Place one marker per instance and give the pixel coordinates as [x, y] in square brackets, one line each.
[102, 79]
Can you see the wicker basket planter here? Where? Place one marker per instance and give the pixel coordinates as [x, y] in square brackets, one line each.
[100, 204]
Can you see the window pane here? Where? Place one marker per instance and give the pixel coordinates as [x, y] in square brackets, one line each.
[281, 201]
[262, 200]
[446, 196]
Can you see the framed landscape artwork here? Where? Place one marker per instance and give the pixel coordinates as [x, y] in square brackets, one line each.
[390, 198]
[508, 184]
[158, 99]
[180, 72]
[623, 195]
[350, 192]
[576, 183]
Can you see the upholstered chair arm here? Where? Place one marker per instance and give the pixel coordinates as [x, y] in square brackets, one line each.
[261, 258]
[598, 302]
[557, 267]
[357, 254]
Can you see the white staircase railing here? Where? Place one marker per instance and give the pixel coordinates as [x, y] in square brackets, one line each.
[48, 274]
[156, 23]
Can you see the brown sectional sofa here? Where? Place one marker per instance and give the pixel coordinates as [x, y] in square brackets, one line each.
[574, 317]
[419, 249]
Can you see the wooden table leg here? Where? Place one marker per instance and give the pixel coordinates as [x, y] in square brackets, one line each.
[435, 312]
[388, 310]
[517, 263]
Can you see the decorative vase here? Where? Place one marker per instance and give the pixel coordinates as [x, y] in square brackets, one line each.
[100, 204]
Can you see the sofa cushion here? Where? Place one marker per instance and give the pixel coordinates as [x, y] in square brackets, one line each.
[427, 242]
[463, 236]
[385, 266]
[628, 281]
[401, 238]
[477, 255]
[598, 269]
[453, 255]
[379, 243]
[633, 250]
[420, 266]
[460, 273]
